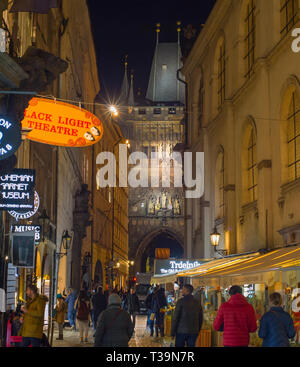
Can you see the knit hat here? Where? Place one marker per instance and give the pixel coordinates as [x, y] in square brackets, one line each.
[114, 299]
[59, 296]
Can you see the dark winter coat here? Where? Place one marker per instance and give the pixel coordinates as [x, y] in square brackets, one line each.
[132, 303]
[99, 302]
[158, 300]
[188, 316]
[114, 328]
[148, 301]
[237, 318]
[276, 328]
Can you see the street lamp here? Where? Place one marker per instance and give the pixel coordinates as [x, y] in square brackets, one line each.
[215, 239]
[113, 110]
[44, 222]
[66, 241]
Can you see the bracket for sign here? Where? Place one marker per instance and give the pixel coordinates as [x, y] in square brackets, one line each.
[17, 92]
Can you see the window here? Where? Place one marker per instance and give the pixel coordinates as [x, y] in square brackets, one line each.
[252, 167]
[221, 74]
[219, 187]
[294, 138]
[142, 111]
[201, 105]
[157, 111]
[164, 67]
[250, 38]
[172, 111]
[288, 15]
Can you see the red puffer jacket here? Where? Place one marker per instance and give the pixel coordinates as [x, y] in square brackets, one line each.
[237, 317]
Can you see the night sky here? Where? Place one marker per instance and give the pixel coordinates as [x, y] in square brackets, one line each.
[128, 27]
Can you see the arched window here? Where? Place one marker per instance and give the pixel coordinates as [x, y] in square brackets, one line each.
[293, 138]
[250, 32]
[219, 187]
[221, 73]
[288, 15]
[252, 167]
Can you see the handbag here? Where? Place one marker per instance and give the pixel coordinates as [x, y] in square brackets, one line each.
[152, 316]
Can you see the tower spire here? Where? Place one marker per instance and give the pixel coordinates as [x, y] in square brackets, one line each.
[131, 93]
[125, 86]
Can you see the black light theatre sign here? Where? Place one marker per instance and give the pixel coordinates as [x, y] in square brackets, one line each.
[17, 189]
[10, 138]
[23, 249]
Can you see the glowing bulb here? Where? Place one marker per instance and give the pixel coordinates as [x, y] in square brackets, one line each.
[113, 110]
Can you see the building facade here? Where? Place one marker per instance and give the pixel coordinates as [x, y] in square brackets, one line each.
[244, 94]
[55, 55]
[154, 125]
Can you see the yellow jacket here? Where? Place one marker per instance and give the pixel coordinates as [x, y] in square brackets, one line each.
[61, 309]
[34, 318]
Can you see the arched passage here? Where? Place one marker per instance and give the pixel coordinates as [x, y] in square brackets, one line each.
[160, 239]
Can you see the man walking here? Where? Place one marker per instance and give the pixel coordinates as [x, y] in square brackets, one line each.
[99, 304]
[159, 302]
[236, 318]
[187, 319]
[32, 329]
[70, 300]
[132, 305]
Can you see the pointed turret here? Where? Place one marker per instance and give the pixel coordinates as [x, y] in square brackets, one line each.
[131, 93]
[125, 85]
[163, 85]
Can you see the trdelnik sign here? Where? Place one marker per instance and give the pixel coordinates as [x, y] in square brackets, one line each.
[172, 266]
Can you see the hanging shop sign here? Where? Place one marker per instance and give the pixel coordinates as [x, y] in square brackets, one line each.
[28, 228]
[58, 123]
[17, 189]
[10, 137]
[23, 249]
[172, 266]
[25, 213]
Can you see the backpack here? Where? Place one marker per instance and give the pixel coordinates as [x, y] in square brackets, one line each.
[83, 311]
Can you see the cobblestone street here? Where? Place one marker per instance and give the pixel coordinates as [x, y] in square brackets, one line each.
[140, 338]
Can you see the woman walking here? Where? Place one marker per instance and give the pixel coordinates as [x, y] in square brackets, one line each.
[83, 315]
[276, 325]
[61, 308]
[114, 327]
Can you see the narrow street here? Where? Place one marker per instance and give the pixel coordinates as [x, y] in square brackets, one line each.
[141, 337]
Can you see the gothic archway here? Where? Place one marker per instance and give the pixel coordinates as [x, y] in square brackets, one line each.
[163, 238]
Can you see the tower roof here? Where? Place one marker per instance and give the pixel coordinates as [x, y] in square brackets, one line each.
[125, 85]
[131, 93]
[163, 85]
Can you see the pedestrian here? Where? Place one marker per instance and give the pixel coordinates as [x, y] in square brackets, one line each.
[132, 305]
[83, 307]
[70, 300]
[32, 328]
[99, 304]
[236, 318]
[151, 315]
[114, 327]
[187, 319]
[159, 302]
[276, 325]
[61, 308]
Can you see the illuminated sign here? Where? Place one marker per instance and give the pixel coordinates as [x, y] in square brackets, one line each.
[172, 266]
[25, 214]
[28, 228]
[17, 189]
[58, 123]
[10, 138]
[23, 249]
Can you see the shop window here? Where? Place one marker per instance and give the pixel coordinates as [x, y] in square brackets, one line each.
[157, 111]
[142, 111]
[172, 111]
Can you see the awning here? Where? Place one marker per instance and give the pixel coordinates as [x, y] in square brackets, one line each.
[283, 259]
[163, 279]
[218, 264]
